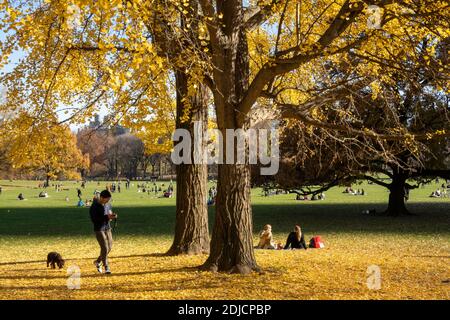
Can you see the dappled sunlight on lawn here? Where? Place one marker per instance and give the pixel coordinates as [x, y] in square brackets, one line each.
[413, 253]
[409, 269]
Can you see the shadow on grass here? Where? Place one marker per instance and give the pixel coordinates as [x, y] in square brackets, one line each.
[315, 218]
[96, 275]
[166, 285]
[150, 255]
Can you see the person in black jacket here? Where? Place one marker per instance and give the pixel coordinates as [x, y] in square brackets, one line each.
[100, 217]
[296, 239]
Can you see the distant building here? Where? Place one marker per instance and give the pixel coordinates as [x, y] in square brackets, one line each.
[106, 126]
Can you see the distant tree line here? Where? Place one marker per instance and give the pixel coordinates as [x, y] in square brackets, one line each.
[114, 152]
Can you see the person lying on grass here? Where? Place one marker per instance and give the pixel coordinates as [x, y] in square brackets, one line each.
[295, 239]
[101, 215]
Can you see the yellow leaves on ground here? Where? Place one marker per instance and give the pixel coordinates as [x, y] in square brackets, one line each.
[409, 270]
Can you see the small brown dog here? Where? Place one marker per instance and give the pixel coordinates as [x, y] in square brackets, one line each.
[55, 258]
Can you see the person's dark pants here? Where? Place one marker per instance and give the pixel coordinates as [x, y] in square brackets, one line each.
[105, 241]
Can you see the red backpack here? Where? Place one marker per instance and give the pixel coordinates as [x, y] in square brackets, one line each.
[316, 242]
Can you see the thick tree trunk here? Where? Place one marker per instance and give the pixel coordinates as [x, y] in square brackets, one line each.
[191, 226]
[396, 206]
[232, 239]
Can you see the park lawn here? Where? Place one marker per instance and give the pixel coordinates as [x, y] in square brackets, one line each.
[412, 252]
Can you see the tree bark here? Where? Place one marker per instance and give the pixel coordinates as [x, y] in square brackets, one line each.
[191, 226]
[232, 238]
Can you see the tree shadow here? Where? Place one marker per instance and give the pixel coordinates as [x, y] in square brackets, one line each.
[96, 275]
[149, 255]
[314, 217]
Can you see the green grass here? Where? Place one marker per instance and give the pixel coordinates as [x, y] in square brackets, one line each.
[413, 251]
[141, 214]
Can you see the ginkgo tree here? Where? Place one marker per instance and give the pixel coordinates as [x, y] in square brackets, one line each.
[82, 55]
[45, 148]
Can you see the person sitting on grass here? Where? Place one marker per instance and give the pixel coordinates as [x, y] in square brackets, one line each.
[43, 194]
[167, 194]
[21, 197]
[265, 238]
[436, 194]
[296, 239]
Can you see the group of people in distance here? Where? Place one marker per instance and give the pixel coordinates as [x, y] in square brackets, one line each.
[319, 196]
[439, 193]
[358, 192]
[113, 187]
[166, 193]
[295, 239]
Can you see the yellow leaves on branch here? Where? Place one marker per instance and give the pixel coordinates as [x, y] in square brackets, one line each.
[46, 147]
[79, 49]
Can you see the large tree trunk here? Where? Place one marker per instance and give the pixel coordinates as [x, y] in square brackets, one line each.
[396, 206]
[191, 226]
[232, 238]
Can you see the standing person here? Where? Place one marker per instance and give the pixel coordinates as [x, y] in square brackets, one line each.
[0, 190]
[79, 194]
[100, 216]
[296, 239]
